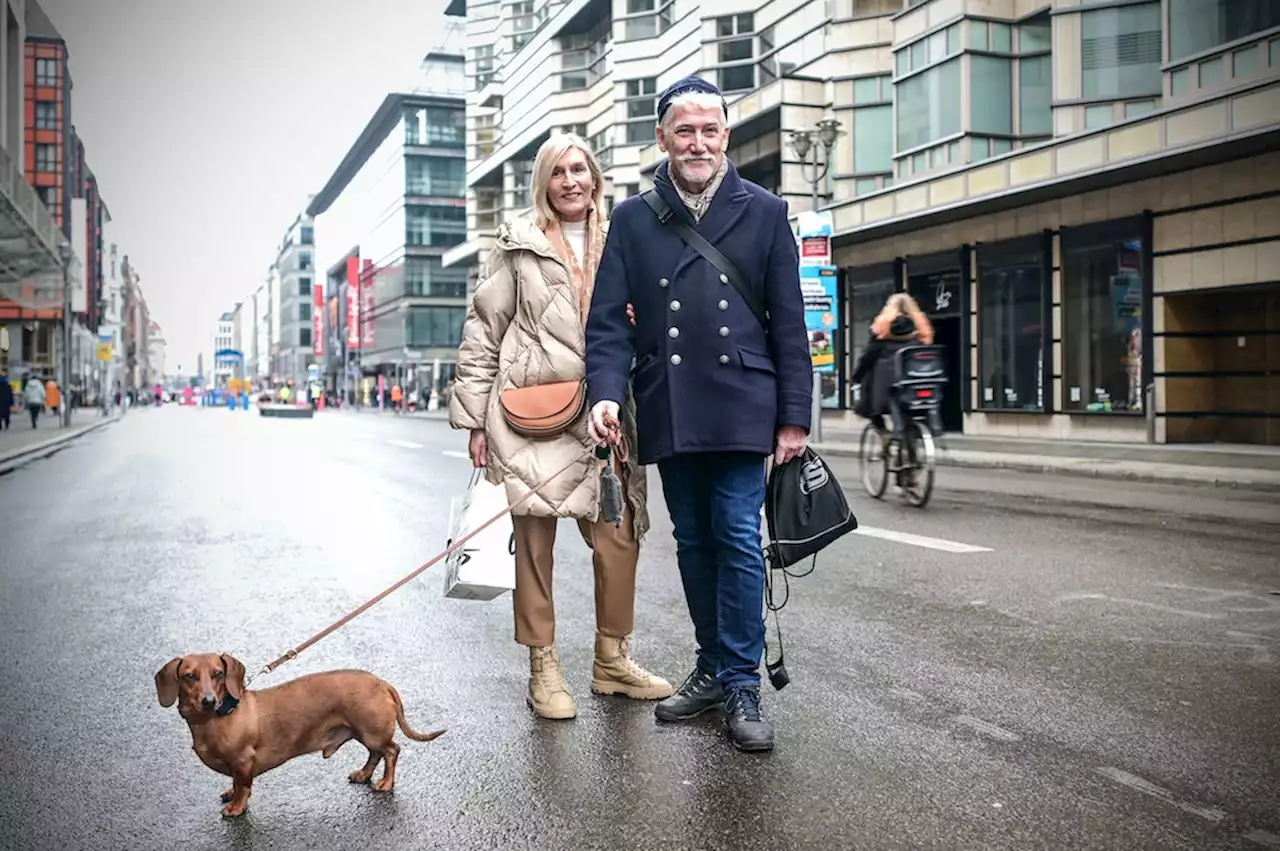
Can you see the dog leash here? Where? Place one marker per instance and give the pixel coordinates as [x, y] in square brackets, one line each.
[456, 545]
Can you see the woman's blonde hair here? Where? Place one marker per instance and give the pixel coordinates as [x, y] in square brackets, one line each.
[902, 304]
[545, 163]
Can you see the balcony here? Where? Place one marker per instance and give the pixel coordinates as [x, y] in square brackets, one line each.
[30, 268]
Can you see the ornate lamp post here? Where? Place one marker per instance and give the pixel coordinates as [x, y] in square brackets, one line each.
[819, 142]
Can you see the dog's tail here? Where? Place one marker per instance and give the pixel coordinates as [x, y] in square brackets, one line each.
[404, 723]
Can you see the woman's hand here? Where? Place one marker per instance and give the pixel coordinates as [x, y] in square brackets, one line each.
[478, 447]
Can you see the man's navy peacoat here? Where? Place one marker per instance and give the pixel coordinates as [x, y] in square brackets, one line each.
[706, 377]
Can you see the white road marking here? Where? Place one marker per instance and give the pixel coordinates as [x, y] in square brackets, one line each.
[1263, 838]
[455, 453]
[365, 436]
[988, 729]
[405, 444]
[1142, 604]
[919, 540]
[1136, 783]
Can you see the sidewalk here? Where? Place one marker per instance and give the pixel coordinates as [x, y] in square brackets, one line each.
[20, 438]
[1230, 466]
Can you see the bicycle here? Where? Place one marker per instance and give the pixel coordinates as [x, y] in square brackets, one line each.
[912, 459]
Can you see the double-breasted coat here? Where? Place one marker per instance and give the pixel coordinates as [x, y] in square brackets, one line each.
[705, 374]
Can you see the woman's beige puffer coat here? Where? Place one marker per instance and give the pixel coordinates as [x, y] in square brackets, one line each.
[523, 329]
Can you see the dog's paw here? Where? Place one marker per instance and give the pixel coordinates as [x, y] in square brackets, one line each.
[234, 810]
[359, 776]
[225, 797]
[384, 786]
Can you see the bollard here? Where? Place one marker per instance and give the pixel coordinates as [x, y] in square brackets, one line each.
[815, 418]
[1149, 401]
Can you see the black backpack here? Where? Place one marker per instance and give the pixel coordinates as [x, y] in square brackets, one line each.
[806, 511]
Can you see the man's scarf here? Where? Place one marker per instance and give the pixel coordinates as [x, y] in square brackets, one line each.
[700, 203]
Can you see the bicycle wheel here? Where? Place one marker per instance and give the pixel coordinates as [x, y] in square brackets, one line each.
[916, 480]
[875, 464]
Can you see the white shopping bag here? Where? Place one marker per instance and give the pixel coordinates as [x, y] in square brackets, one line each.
[485, 566]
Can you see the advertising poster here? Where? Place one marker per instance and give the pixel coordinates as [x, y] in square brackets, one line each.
[818, 285]
[353, 303]
[317, 319]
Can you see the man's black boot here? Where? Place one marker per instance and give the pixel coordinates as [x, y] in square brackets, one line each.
[747, 726]
[699, 693]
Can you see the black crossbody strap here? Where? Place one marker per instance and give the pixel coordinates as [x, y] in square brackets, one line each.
[708, 251]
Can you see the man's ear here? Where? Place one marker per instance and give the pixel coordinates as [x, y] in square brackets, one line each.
[167, 682]
[235, 675]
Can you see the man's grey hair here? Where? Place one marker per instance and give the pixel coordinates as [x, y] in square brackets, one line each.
[705, 100]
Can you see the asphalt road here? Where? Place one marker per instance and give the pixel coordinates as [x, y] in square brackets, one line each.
[1060, 664]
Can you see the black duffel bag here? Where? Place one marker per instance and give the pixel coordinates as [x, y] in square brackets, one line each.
[806, 511]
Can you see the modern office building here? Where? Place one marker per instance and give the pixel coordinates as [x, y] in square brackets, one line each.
[293, 277]
[384, 219]
[224, 367]
[1081, 193]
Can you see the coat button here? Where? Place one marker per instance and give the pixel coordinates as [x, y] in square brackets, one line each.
[723, 304]
[673, 332]
[724, 279]
[724, 331]
[724, 359]
[675, 305]
[662, 282]
[675, 360]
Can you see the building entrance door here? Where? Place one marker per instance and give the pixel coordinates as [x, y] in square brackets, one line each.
[939, 296]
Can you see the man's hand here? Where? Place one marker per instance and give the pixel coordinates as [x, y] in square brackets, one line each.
[478, 447]
[788, 444]
[604, 425]
[631, 314]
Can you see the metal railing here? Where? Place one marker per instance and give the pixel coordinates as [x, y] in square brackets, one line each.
[15, 189]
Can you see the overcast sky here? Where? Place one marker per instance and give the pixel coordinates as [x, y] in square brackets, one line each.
[208, 124]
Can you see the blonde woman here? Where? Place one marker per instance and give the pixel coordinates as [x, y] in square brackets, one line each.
[525, 334]
[901, 323]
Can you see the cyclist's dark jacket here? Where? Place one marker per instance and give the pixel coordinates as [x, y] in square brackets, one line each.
[875, 366]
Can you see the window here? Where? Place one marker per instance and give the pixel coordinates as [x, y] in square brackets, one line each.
[1134, 108]
[602, 144]
[652, 18]
[1273, 52]
[304, 334]
[307, 236]
[46, 158]
[873, 139]
[304, 260]
[304, 311]
[482, 56]
[869, 288]
[582, 57]
[1036, 36]
[1244, 63]
[46, 115]
[434, 326]
[929, 106]
[1035, 96]
[46, 72]
[642, 109]
[1197, 25]
[444, 128]
[521, 183]
[1180, 81]
[1098, 116]
[435, 225]
[304, 286]
[1102, 295]
[865, 186]
[439, 176]
[1011, 326]
[424, 276]
[928, 50]
[1120, 51]
[1211, 72]
[993, 111]
[743, 76]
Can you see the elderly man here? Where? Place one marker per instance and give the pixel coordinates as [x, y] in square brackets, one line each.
[722, 379]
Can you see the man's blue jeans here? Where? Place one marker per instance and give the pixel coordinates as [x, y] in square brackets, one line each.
[715, 501]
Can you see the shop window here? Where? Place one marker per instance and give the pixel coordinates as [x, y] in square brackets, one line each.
[1121, 50]
[1102, 298]
[868, 290]
[1011, 332]
[1199, 25]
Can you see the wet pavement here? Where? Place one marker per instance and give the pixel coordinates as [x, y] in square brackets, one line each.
[1050, 663]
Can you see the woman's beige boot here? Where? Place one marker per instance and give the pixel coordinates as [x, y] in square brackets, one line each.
[548, 694]
[615, 672]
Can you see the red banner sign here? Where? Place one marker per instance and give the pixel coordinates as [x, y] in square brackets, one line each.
[353, 303]
[317, 320]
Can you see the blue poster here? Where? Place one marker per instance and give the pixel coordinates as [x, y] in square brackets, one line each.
[818, 286]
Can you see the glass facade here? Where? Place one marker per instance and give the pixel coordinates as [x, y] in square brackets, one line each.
[1011, 327]
[1121, 51]
[1199, 25]
[1102, 324]
[929, 106]
[426, 327]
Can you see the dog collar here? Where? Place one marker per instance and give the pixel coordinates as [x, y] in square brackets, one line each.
[227, 706]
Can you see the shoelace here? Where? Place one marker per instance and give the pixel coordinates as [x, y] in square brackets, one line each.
[744, 702]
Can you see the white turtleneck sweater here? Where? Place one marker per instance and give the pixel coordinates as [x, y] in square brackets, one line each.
[575, 234]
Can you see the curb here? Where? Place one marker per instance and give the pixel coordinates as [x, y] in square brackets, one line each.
[12, 460]
[946, 460]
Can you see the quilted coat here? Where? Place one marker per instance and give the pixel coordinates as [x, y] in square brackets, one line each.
[524, 328]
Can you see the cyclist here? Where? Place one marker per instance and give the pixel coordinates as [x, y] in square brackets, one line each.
[901, 323]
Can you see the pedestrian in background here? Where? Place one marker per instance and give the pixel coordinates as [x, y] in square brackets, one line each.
[524, 329]
[34, 395]
[718, 388]
[6, 400]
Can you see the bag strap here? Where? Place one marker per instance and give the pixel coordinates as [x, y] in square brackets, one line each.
[709, 252]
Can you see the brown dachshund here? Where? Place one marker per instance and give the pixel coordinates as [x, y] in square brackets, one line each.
[242, 733]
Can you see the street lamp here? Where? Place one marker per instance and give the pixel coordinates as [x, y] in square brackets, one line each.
[65, 254]
[819, 142]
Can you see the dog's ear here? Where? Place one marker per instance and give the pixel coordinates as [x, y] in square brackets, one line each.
[167, 682]
[235, 675]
